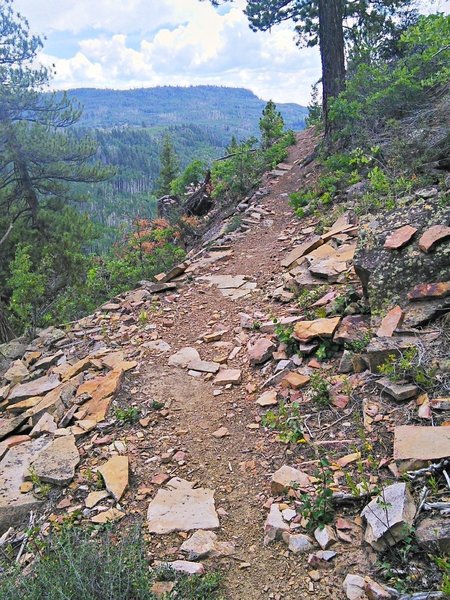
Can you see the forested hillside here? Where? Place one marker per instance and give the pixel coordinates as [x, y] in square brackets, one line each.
[129, 125]
[228, 111]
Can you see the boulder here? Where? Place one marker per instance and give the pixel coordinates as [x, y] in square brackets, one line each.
[380, 349]
[426, 291]
[46, 424]
[354, 587]
[352, 328]
[375, 591]
[37, 387]
[268, 398]
[205, 543]
[295, 380]
[398, 391]
[8, 426]
[228, 376]
[162, 589]
[102, 390]
[298, 252]
[388, 276]
[325, 536]
[433, 236]
[108, 516]
[11, 351]
[14, 505]
[182, 566]
[16, 372]
[391, 321]
[183, 357]
[298, 543]
[93, 498]
[399, 237]
[421, 443]
[346, 364]
[204, 366]
[115, 475]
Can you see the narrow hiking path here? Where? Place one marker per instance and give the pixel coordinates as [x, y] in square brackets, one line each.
[151, 410]
[239, 465]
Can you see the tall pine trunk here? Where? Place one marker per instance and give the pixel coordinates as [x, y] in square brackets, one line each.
[331, 36]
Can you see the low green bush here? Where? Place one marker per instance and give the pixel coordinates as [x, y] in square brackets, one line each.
[77, 564]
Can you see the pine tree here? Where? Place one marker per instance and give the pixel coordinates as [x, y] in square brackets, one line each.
[40, 161]
[322, 22]
[271, 125]
[169, 168]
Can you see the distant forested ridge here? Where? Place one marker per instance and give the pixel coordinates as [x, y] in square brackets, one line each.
[226, 110]
[129, 126]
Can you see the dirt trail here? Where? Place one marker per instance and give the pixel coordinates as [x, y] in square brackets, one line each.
[237, 467]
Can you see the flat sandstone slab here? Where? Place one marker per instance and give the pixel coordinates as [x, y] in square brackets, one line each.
[180, 507]
[56, 463]
[305, 331]
[421, 442]
[14, 505]
[115, 475]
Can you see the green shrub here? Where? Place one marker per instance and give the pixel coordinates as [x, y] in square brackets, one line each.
[318, 509]
[193, 174]
[409, 367]
[78, 564]
[127, 415]
[234, 224]
[382, 90]
[287, 421]
[320, 387]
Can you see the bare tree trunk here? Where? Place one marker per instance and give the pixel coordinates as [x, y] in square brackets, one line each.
[6, 333]
[331, 36]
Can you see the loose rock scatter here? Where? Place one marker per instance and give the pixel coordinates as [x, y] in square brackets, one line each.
[262, 421]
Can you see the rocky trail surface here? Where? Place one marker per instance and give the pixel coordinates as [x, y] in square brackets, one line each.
[153, 410]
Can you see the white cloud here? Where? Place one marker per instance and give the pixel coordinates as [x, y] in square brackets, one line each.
[180, 42]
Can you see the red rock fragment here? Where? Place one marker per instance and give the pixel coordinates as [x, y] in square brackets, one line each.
[314, 364]
[433, 236]
[294, 380]
[400, 237]
[430, 290]
[160, 478]
[325, 299]
[391, 322]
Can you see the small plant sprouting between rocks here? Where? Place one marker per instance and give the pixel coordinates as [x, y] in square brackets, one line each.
[285, 335]
[127, 415]
[318, 509]
[320, 388]
[443, 564]
[307, 297]
[234, 224]
[408, 367]
[358, 345]
[157, 405]
[143, 317]
[287, 421]
[75, 563]
[40, 490]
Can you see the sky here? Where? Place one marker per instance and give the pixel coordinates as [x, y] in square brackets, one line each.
[125, 44]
